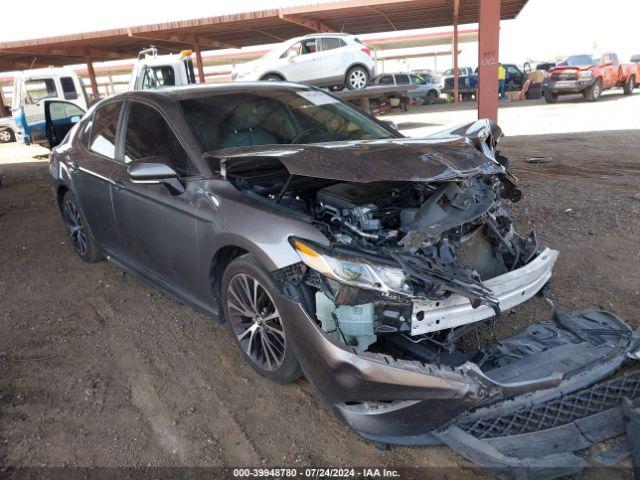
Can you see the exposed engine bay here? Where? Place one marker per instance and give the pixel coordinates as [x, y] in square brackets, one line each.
[412, 265]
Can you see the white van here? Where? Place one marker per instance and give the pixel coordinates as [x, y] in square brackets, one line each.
[30, 91]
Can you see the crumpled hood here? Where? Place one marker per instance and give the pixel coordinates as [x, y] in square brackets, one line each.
[443, 157]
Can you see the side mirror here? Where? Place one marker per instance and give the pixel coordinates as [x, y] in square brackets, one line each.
[155, 171]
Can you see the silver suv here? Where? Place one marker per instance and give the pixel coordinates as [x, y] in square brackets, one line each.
[331, 60]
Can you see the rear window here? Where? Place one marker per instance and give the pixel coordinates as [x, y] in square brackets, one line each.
[68, 88]
[158, 77]
[385, 80]
[635, 59]
[332, 43]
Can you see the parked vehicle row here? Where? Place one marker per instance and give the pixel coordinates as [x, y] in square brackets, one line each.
[468, 80]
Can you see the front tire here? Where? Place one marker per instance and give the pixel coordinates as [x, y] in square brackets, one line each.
[594, 91]
[7, 136]
[550, 97]
[630, 85]
[357, 78]
[81, 239]
[250, 303]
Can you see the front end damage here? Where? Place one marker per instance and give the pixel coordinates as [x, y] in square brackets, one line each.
[421, 257]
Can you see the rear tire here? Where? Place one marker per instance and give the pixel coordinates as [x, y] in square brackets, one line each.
[594, 91]
[550, 97]
[250, 302]
[357, 78]
[81, 238]
[630, 85]
[7, 136]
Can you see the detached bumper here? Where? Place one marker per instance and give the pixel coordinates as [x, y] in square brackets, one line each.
[567, 86]
[554, 438]
[404, 402]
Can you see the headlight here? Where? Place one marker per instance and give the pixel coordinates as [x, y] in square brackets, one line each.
[352, 271]
[585, 73]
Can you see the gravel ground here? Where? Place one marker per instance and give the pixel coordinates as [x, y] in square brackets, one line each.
[99, 369]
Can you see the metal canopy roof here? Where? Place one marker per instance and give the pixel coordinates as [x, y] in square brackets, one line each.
[244, 29]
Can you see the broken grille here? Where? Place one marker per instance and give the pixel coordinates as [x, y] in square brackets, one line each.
[559, 411]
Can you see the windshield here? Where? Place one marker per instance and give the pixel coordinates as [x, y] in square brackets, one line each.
[580, 60]
[276, 116]
[158, 77]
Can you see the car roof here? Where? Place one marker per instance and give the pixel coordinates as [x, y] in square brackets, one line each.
[327, 34]
[191, 91]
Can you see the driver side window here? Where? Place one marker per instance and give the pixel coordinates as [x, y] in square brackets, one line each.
[301, 48]
[148, 135]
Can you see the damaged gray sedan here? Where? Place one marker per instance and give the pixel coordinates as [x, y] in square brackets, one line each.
[369, 262]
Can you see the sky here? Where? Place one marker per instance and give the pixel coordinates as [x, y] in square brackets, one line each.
[544, 30]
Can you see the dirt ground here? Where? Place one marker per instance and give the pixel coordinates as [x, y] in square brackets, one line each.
[98, 369]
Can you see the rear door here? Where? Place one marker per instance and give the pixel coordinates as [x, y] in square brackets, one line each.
[157, 228]
[60, 116]
[94, 169]
[334, 58]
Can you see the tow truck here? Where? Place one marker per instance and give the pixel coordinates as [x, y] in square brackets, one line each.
[32, 89]
[154, 71]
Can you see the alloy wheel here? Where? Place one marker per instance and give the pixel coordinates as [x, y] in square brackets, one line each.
[256, 322]
[5, 136]
[73, 219]
[358, 79]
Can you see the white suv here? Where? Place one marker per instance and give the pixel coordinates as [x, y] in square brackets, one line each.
[326, 59]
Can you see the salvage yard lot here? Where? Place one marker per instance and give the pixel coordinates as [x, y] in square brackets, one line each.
[98, 369]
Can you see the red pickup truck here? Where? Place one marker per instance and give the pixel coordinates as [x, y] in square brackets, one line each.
[590, 76]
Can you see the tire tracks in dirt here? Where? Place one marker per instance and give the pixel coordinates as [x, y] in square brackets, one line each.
[176, 442]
